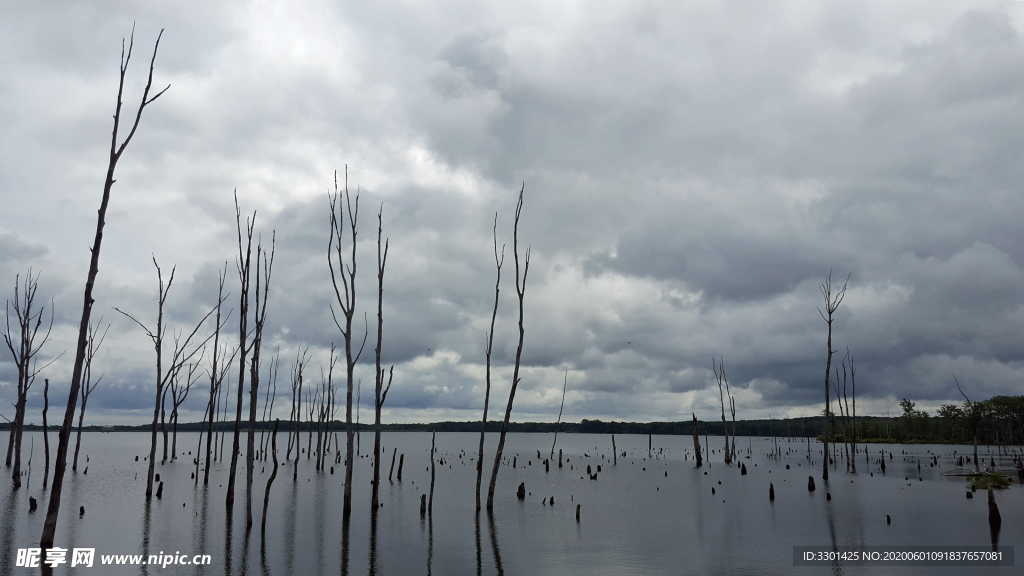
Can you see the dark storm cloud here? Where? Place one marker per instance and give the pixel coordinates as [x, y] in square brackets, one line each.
[692, 171]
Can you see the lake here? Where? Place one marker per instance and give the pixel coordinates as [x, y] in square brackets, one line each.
[643, 515]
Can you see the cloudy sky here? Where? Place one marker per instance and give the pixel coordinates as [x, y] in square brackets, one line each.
[692, 171]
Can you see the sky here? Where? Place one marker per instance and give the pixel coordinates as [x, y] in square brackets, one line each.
[692, 171]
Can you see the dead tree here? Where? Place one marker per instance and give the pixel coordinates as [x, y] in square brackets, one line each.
[974, 417]
[521, 294]
[850, 423]
[268, 401]
[499, 259]
[264, 269]
[88, 383]
[46, 431]
[833, 298]
[301, 357]
[853, 393]
[217, 371]
[295, 416]
[558, 423]
[116, 150]
[343, 281]
[179, 393]
[696, 442]
[381, 389]
[24, 341]
[243, 267]
[183, 352]
[720, 376]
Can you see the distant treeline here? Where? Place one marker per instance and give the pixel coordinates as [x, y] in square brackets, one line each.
[999, 420]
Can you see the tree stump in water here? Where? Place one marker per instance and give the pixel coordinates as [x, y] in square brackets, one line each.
[577, 513]
[771, 492]
[521, 491]
[810, 483]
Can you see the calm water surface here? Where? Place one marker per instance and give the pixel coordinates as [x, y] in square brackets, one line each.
[643, 515]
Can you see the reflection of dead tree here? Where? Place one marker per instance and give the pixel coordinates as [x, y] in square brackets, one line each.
[116, 150]
[558, 423]
[183, 352]
[521, 294]
[88, 384]
[380, 391]
[343, 280]
[499, 259]
[833, 298]
[270, 483]
[720, 376]
[24, 342]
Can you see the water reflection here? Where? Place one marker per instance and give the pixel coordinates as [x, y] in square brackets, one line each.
[494, 545]
[372, 559]
[345, 527]
[146, 521]
[202, 515]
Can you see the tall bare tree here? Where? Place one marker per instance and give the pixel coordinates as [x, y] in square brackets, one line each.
[116, 150]
[24, 341]
[179, 393]
[343, 281]
[217, 371]
[974, 418]
[558, 423]
[243, 266]
[833, 298]
[499, 259]
[722, 378]
[380, 392]
[521, 295]
[184, 349]
[89, 383]
[264, 270]
[46, 431]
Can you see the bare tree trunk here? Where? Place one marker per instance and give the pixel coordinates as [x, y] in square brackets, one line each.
[46, 431]
[343, 281]
[499, 259]
[380, 389]
[521, 293]
[832, 302]
[243, 266]
[53, 508]
[264, 269]
[696, 442]
[216, 376]
[24, 345]
[430, 503]
[719, 369]
[558, 423]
